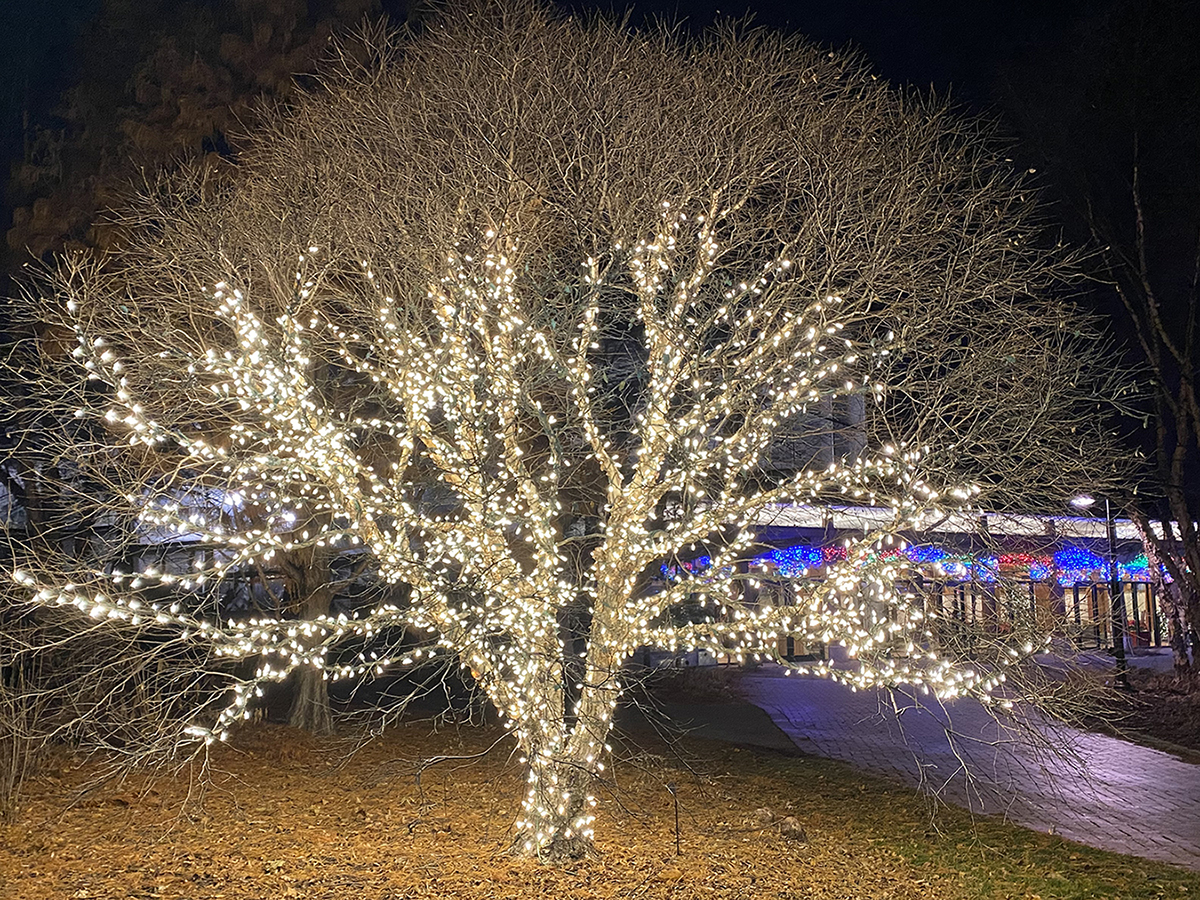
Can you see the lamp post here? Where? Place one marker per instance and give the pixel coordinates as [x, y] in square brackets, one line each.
[1115, 593]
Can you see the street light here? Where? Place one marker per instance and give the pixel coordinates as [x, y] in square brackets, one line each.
[1115, 593]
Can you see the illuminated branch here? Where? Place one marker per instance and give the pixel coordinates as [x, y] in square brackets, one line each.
[517, 347]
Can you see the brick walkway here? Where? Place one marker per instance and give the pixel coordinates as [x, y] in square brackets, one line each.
[1101, 791]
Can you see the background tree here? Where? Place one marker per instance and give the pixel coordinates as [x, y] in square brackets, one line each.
[157, 84]
[144, 98]
[515, 271]
[1114, 118]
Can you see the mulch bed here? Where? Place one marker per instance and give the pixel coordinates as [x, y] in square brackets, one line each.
[1165, 707]
[281, 815]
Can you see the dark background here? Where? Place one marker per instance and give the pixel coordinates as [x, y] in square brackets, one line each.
[947, 45]
[1086, 90]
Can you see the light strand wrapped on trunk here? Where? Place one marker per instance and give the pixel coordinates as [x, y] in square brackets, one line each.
[515, 311]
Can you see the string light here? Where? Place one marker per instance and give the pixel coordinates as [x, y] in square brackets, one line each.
[501, 406]
[1071, 565]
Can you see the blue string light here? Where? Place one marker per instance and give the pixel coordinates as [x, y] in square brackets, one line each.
[794, 561]
[1039, 571]
[925, 553]
[1076, 564]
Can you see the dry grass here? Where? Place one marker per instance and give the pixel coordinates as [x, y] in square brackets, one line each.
[285, 817]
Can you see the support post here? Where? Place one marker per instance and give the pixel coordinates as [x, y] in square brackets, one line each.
[1117, 596]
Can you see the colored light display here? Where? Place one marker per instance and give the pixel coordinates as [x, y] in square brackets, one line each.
[1076, 564]
[1072, 564]
[1039, 570]
[924, 553]
[795, 561]
[833, 554]
[1138, 567]
[691, 567]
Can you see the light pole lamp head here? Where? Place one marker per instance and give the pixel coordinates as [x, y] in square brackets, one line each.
[1083, 501]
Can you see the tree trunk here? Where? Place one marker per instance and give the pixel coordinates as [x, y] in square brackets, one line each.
[311, 710]
[308, 581]
[1179, 648]
[564, 745]
[1171, 594]
[555, 824]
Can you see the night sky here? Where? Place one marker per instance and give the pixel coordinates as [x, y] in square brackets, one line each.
[947, 45]
[966, 48]
[37, 45]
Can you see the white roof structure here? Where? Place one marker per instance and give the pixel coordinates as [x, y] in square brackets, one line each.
[858, 518]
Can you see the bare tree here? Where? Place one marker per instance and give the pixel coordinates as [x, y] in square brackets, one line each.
[148, 97]
[1118, 128]
[155, 82]
[515, 307]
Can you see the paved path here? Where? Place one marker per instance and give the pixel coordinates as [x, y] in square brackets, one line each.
[1101, 791]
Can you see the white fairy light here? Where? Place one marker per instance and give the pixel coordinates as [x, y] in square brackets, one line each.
[504, 408]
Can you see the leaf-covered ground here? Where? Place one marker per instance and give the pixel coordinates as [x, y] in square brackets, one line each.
[1165, 707]
[283, 816]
